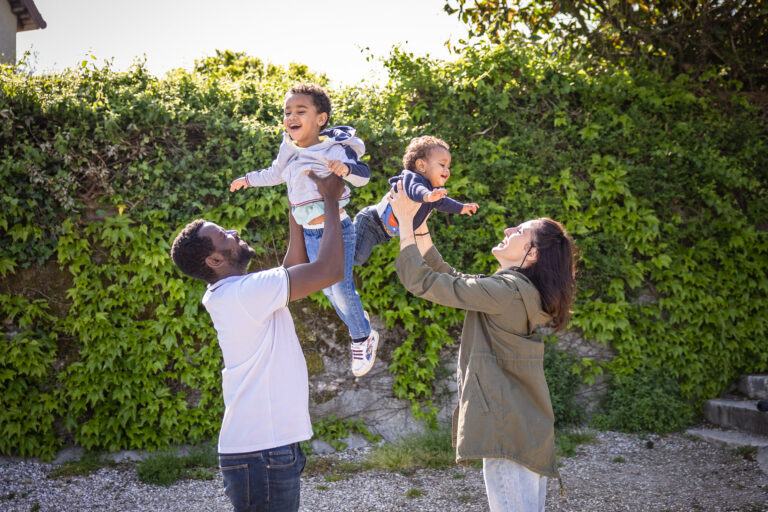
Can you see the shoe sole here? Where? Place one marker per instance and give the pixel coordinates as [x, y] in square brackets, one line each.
[373, 358]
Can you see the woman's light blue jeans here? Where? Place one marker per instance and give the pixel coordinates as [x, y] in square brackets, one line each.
[511, 487]
[343, 294]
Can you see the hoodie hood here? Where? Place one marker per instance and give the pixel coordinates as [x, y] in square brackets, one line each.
[531, 300]
[344, 135]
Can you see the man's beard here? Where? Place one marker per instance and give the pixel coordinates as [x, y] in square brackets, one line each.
[240, 259]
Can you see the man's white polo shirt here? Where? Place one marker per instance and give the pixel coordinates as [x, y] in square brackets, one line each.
[264, 381]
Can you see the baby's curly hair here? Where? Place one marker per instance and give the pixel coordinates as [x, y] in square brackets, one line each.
[420, 147]
[189, 251]
[319, 97]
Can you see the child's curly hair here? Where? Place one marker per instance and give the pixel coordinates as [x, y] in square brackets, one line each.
[420, 147]
[319, 97]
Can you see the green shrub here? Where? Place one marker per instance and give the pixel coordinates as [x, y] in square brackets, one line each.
[563, 382]
[662, 183]
[161, 469]
[432, 449]
[332, 430]
[648, 401]
[566, 441]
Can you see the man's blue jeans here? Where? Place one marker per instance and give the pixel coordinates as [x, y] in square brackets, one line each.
[264, 481]
[343, 294]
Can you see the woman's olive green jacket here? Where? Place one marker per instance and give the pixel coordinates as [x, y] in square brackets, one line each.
[504, 409]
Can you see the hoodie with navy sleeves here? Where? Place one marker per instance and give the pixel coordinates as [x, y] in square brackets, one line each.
[336, 143]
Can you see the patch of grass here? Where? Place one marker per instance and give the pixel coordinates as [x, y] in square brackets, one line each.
[619, 459]
[161, 469]
[35, 507]
[414, 493]
[317, 464]
[428, 450]
[567, 441]
[464, 498]
[458, 476]
[201, 473]
[203, 456]
[748, 452]
[335, 477]
[350, 467]
[322, 487]
[85, 465]
[167, 467]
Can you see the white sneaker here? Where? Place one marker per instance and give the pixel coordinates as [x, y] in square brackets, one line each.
[364, 354]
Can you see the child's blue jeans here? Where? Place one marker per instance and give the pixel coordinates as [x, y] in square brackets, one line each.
[369, 232]
[342, 295]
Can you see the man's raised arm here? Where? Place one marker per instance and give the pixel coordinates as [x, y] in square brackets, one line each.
[328, 268]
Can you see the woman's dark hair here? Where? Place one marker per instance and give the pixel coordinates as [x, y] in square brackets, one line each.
[319, 97]
[420, 148]
[554, 271]
[189, 251]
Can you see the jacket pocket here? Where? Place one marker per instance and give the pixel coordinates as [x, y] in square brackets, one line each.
[480, 394]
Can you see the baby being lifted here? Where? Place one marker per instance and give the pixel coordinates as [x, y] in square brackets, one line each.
[426, 164]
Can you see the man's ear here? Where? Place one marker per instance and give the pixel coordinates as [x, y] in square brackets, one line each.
[215, 261]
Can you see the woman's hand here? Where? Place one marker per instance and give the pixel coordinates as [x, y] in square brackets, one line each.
[404, 208]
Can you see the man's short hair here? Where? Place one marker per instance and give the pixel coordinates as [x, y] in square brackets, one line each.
[189, 251]
[320, 98]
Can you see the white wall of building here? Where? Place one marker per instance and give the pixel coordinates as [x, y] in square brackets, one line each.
[7, 33]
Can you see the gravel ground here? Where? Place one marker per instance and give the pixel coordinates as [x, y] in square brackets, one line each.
[615, 472]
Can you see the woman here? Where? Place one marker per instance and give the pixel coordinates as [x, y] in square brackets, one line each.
[504, 415]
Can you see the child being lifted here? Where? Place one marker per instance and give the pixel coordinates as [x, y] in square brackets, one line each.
[426, 165]
[309, 146]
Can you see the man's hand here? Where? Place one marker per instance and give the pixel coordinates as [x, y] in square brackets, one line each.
[329, 187]
[469, 209]
[435, 195]
[338, 168]
[238, 184]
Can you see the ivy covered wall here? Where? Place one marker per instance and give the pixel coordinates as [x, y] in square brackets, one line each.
[662, 183]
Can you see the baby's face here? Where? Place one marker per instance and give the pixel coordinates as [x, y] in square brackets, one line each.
[301, 119]
[436, 167]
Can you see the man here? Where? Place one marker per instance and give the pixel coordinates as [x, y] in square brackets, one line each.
[264, 381]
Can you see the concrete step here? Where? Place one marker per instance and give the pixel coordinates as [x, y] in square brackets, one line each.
[732, 439]
[740, 414]
[754, 386]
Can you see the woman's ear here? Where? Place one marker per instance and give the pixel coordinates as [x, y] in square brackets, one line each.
[533, 254]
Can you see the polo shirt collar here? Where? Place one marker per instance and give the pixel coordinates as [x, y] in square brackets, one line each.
[212, 287]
